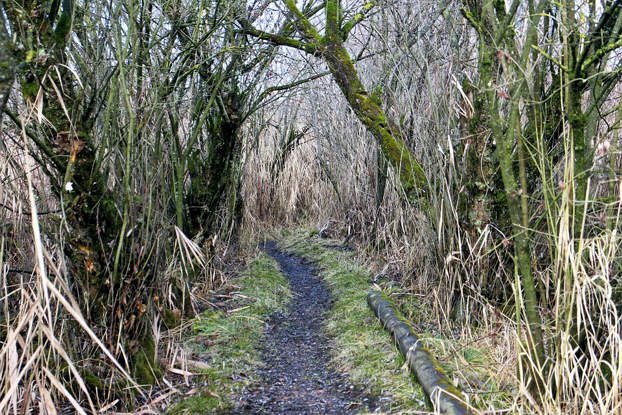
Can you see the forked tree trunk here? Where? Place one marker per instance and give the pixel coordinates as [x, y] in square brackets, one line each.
[367, 107]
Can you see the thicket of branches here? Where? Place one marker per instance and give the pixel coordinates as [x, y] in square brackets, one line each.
[473, 144]
[121, 139]
[512, 110]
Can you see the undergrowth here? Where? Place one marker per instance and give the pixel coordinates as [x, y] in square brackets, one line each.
[476, 356]
[228, 340]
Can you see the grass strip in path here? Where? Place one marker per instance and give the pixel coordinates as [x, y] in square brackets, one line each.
[297, 377]
[475, 361]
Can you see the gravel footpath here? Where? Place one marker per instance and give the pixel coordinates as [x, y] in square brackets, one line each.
[296, 378]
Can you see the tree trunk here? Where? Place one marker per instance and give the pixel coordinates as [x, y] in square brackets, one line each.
[445, 397]
[502, 112]
[7, 65]
[369, 111]
[214, 179]
[73, 164]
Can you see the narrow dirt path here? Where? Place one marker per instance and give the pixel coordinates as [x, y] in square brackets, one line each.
[296, 378]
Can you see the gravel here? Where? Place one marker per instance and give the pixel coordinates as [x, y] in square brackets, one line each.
[297, 377]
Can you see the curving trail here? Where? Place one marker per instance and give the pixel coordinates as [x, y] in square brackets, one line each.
[296, 378]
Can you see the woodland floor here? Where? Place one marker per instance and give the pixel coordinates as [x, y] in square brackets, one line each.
[296, 376]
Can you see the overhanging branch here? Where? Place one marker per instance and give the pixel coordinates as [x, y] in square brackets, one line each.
[277, 39]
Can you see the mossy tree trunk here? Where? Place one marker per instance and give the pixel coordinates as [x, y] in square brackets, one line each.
[501, 112]
[587, 82]
[68, 152]
[522, 115]
[214, 178]
[7, 65]
[367, 107]
[74, 169]
[482, 205]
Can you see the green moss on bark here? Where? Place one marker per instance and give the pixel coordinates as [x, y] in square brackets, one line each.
[371, 114]
[146, 369]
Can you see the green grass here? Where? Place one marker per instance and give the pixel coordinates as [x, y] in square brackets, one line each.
[228, 342]
[363, 348]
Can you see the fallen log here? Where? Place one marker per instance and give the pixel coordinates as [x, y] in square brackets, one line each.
[445, 397]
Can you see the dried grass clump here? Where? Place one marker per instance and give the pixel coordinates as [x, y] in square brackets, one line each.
[41, 319]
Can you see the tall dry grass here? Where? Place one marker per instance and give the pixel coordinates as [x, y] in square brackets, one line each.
[41, 318]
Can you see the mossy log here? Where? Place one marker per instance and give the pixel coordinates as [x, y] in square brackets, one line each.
[442, 393]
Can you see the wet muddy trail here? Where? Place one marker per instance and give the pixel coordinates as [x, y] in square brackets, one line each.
[297, 377]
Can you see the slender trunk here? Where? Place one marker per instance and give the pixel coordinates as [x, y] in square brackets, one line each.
[576, 118]
[381, 183]
[518, 211]
[496, 70]
[7, 64]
